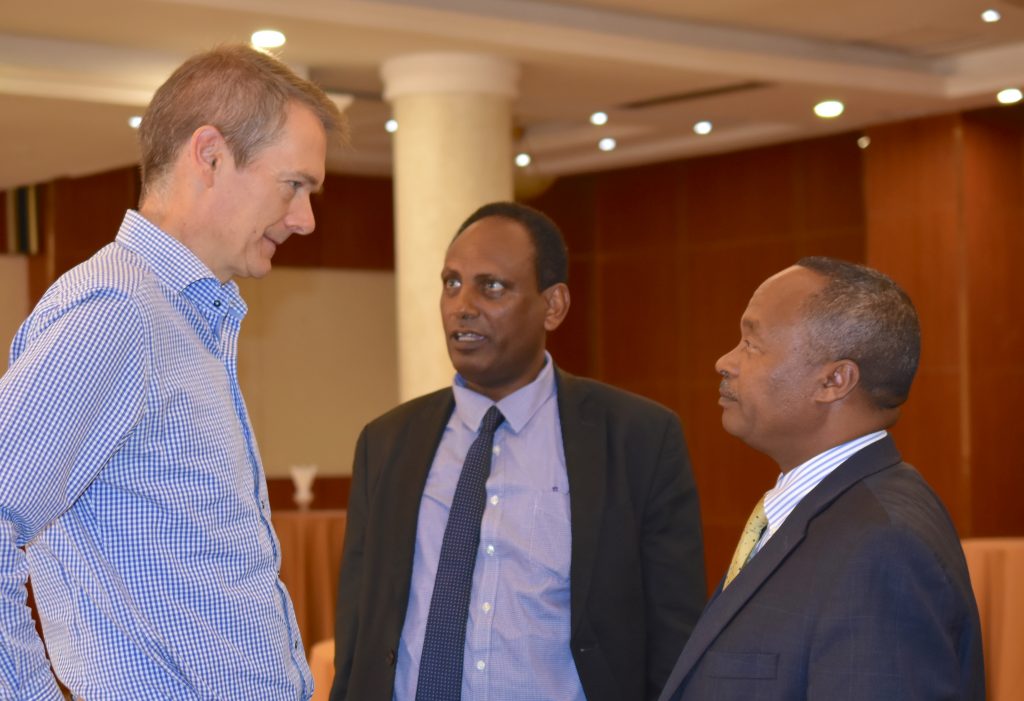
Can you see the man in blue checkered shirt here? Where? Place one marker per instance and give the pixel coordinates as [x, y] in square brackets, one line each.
[131, 488]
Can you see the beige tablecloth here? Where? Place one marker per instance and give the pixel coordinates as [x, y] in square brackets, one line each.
[997, 575]
[311, 543]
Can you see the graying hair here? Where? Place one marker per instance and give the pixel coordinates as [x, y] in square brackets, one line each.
[864, 316]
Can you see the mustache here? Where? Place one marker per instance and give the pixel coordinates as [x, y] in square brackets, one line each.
[723, 389]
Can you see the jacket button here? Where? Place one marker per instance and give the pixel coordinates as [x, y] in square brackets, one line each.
[391, 658]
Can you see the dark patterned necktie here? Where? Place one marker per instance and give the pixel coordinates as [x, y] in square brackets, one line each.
[444, 644]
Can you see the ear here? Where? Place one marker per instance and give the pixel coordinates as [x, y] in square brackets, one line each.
[557, 299]
[839, 379]
[207, 152]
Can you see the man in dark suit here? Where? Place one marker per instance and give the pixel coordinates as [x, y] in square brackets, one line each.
[857, 587]
[589, 571]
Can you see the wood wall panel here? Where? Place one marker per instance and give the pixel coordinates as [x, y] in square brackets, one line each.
[675, 251]
[913, 181]
[993, 167]
[570, 202]
[354, 227]
[87, 212]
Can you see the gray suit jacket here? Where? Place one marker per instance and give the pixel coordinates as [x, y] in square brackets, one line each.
[637, 569]
[863, 593]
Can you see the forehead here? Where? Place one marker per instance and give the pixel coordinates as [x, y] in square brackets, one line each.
[780, 299]
[300, 145]
[495, 243]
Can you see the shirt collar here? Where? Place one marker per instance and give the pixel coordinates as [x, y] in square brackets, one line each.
[792, 486]
[517, 408]
[175, 264]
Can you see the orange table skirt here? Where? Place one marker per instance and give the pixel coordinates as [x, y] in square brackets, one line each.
[311, 545]
[997, 575]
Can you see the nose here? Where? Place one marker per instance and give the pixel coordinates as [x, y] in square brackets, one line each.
[460, 302]
[725, 366]
[300, 219]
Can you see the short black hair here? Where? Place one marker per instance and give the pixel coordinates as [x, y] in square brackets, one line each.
[551, 256]
[864, 316]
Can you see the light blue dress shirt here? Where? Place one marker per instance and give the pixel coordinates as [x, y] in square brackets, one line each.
[517, 636]
[130, 476]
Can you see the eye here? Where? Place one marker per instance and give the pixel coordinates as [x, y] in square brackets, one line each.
[494, 286]
[452, 283]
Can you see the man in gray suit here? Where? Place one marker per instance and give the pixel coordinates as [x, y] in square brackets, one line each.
[589, 572]
[856, 588]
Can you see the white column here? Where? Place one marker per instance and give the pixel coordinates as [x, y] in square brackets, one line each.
[452, 153]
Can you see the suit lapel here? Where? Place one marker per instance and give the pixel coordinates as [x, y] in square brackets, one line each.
[407, 477]
[724, 605]
[583, 439]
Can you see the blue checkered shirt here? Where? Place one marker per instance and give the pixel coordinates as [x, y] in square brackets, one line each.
[131, 490]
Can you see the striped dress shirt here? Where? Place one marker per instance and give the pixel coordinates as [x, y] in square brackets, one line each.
[131, 490]
[792, 486]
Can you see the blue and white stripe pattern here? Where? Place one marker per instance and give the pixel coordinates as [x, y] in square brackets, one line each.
[792, 486]
[130, 477]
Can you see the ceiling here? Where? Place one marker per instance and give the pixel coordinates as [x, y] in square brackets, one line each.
[73, 72]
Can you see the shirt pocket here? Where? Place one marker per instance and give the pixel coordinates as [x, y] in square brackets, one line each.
[551, 533]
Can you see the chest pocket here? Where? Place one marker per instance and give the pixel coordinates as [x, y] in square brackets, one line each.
[551, 533]
[741, 665]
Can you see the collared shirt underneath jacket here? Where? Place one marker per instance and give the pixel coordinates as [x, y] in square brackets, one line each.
[129, 474]
[517, 638]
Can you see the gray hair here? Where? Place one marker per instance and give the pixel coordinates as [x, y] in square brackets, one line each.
[242, 92]
[862, 315]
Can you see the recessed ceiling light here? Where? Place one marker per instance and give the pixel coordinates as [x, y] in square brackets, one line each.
[607, 144]
[598, 118]
[829, 109]
[391, 126]
[523, 159]
[864, 141]
[267, 39]
[991, 16]
[135, 121]
[1010, 96]
[702, 128]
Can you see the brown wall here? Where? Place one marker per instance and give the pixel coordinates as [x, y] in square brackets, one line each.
[663, 261]
[945, 218]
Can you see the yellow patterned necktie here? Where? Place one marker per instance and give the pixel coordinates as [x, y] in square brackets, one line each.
[751, 534]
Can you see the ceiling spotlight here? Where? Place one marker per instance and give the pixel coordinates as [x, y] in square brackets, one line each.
[135, 121]
[607, 144]
[829, 109]
[702, 127]
[864, 141]
[1010, 96]
[267, 39]
[991, 16]
[523, 159]
[391, 126]
[598, 118]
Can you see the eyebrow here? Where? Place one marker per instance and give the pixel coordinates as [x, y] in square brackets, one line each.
[749, 325]
[316, 185]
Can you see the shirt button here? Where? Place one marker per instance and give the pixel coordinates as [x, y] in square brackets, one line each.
[480, 664]
[486, 607]
[490, 548]
[496, 450]
[494, 500]
[216, 303]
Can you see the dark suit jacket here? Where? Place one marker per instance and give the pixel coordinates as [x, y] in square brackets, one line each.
[863, 593]
[637, 569]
